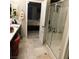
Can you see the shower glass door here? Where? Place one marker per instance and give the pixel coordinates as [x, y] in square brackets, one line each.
[55, 28]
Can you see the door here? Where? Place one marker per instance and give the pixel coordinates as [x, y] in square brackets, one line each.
[55, 27]
[42, 17]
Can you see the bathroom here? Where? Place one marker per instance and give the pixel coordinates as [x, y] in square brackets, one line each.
[42, 28]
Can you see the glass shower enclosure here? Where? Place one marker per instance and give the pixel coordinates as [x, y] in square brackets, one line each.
[55, 26]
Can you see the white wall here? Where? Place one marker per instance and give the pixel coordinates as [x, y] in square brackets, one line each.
[19, 5]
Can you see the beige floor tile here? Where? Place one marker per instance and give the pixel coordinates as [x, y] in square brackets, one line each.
[32, 49]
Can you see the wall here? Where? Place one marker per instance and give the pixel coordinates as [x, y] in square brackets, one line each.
[19, 5]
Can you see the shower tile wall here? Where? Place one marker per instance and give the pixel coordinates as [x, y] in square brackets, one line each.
[57, 17]
[53, 19]
[61, 18]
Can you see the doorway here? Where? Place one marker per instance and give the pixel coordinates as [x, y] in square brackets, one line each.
[33, 26]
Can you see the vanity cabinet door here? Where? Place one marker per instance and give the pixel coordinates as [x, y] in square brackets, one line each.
[14, 47]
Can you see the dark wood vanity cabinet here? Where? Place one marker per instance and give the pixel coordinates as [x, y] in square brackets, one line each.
[14, 47]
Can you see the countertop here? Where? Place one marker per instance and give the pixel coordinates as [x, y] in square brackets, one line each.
[16, 27]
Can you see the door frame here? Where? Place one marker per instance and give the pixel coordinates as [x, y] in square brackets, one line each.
[42, 20]
[42, 17]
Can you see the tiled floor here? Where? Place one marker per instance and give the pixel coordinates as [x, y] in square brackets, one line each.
[32, 49]
[33, 34]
